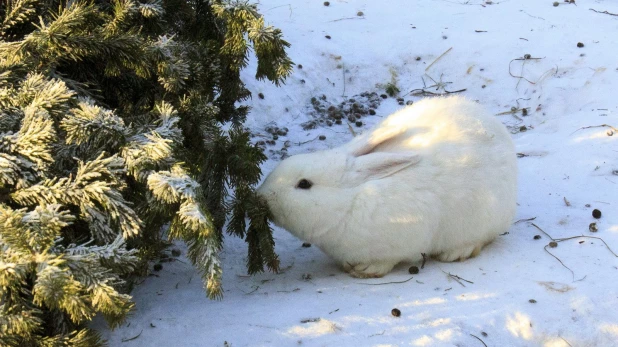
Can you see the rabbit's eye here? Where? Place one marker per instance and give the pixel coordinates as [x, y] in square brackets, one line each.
[304, 184]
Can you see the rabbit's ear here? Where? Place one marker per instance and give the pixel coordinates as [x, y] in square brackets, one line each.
[378, 165]
[367, 143]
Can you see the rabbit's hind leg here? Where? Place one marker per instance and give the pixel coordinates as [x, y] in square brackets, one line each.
[373, 270]
[460, 254]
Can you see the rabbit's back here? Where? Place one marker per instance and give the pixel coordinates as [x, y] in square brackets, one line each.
[462, 192]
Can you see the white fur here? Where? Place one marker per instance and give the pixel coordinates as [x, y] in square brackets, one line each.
[438, 177]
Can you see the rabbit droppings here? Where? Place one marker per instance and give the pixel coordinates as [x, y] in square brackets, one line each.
[438, 177]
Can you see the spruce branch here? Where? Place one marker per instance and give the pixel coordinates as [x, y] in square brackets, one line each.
[204, 253]
[17, 12]
[95, 190]
[153, 84]
[40, 93]
[33, 141]
[18, 323]
[89, 123]
[269, 46]
[10, 174]
[151, 9]
[121, 19]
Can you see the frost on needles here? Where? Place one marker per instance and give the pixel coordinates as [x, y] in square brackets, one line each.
[112, 145]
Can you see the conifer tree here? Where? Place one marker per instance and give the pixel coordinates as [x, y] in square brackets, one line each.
[112, 117]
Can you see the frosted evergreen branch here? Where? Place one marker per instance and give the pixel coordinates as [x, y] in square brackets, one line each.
[204, 253]
[92, 124]
[35, 137]
[56, 288]
[195, 219]
[172, 75]
[161, 49]
[269, 46]
[151, 9]
[39, 92]
[80, 337]
[95, 186]
[9, 118]
[152, 150]
[32, 231]
[112, 255]
[146, 152]
[172, 186]
[10, 173]
[17, 323]
[192, 223]
[172, 69]
[123, 10]
[76, 280]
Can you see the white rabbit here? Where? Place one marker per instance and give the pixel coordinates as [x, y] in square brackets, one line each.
[438, 177]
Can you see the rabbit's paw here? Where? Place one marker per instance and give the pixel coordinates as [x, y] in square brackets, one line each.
[373, 270]
[460, 254]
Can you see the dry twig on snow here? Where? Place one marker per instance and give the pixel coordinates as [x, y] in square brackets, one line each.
[604, 12]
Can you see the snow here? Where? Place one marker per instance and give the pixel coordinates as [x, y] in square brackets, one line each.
[314, 303]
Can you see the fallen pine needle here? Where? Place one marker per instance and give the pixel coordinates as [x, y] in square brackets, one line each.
[566, 201]
[134, 337]
[478, 338]
[382, 333]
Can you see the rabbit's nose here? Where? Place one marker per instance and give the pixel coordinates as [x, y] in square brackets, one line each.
[264, 193]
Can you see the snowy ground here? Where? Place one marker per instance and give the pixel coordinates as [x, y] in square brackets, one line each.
[520, 295]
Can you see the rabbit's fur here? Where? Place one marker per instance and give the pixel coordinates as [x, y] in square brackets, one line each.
[438, 177]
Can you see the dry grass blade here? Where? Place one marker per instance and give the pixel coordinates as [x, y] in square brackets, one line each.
[596, 126]
[561, 263]
[567, 342]
[347, 18]
[423, 92]
[588, 237]
[543, 231]
[525, 220]
[438, 58]
[571, 238]
[351, 130]
[458, 279]
[381, 284]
